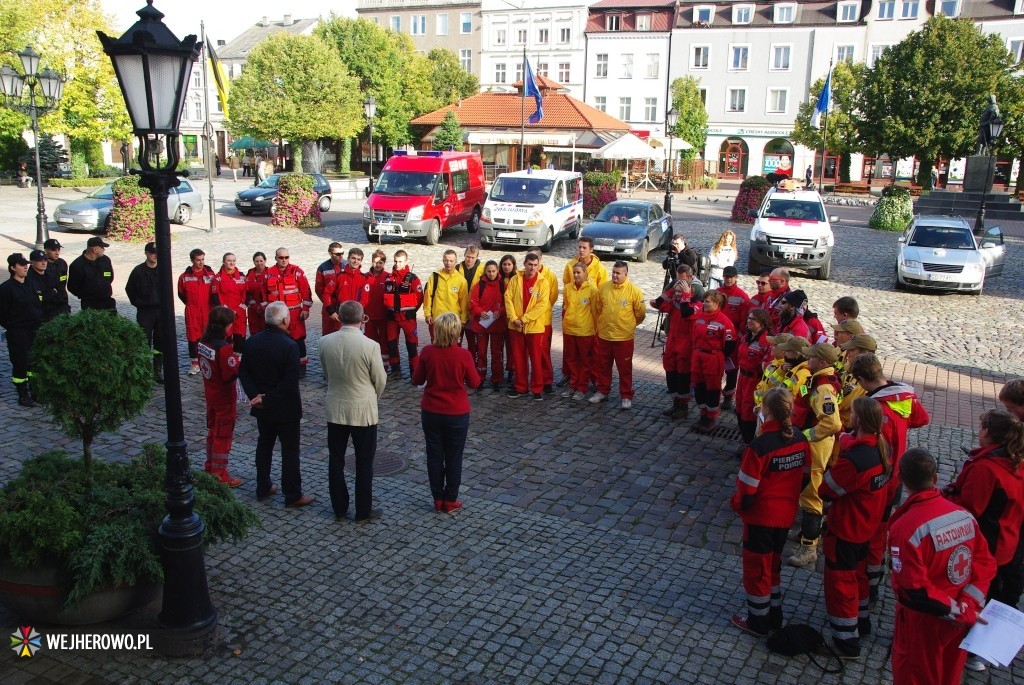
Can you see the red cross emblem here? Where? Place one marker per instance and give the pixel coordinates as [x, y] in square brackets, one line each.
[958, 569]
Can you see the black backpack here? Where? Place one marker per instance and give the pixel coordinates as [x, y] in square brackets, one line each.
[800, 638]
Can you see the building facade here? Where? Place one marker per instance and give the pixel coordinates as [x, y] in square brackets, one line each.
[451, 24]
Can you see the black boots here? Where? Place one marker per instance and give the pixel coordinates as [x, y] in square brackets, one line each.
[25, 396]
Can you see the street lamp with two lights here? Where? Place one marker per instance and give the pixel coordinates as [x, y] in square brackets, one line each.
[671, 119]
[370, 110]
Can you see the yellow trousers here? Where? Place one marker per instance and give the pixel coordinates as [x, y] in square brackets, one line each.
[821, 452]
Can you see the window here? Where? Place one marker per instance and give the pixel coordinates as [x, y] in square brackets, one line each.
[653, 62]
[396, 24]
[441, 25]
[701, 53]
[460, 181]
[643, 22]
[704, 96]
[465, 22]
[784, 14]
[564, 35]
[909, 9]
[780, 57]
[951, 8]
[650, 109]
[197, 79]
[419, 25]
[542, 69]
[601, 103]
[738, 61]
[1016, 49]
[876, 52]
[741, 14]
[625, 108]
[521, 37]
[886, 8]
[848, 11]
[612, 22]
[601, 68]
[499, 37]
[198, 110]
[844, 53]
[466, 60]
[777, 100]
[563, 72]
[737, 100]
[519, 71]
[499, 73]
[627, 65]
[702, 15]
[542, 36]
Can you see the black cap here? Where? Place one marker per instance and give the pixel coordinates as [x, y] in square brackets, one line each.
[16, 259]
[96, 241]
[52, 244]
[150, 248]
[795, 298]
[37, 256]
[730, 272]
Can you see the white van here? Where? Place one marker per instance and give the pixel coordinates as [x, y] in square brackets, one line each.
[792, 229]
[533, 208]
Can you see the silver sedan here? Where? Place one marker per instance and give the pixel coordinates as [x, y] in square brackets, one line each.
[92, 213]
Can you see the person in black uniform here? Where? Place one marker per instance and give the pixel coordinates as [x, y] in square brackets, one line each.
[91, 275]
[45, 283]
[59, 269]
[21, 312]
[143, 292]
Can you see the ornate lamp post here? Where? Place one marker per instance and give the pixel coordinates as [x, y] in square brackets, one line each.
[50, 85]
[991, 130]
[671, 119]
[370, 110]
[153, 69]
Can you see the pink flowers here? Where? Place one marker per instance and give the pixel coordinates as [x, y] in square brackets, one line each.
[296, 205]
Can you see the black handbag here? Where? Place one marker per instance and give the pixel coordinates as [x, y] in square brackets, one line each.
[800, 638]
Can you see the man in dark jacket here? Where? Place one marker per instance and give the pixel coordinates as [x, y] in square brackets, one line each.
[59, 268]
[270, 377]
[679, 253]
[20, 314]
[90, 277]
[46, 283]
[143, 290]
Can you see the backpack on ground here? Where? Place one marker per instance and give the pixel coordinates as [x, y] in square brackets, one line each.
[800, 638]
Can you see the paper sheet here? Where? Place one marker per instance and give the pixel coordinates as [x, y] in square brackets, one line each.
[486, 323]
[999, 640]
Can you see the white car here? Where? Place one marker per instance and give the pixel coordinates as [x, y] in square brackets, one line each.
[942, 253]
[792, 229]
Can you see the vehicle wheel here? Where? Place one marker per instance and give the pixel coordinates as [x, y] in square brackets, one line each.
[324, 203]
[575, 233]
[247, 212]
[183, 214]
[825, 271]
[546, 247]
[473, 225]
[753, 267]
[896, 281]
[273, 209]
[644, 249]
[434, 232]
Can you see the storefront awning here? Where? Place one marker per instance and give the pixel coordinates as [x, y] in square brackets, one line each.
[577, 150]
[677, 143]
[513, 138]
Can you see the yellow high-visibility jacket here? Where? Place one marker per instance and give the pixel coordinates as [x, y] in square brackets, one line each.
[619, 309]
[452, 295]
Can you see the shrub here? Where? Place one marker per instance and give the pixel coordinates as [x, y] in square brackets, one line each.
[894, 211]
[752, 192]
[104, 171]
[78, 182]
[599, 189]
[296, 204]
[709, 183]
[79, 167]
[131, 218]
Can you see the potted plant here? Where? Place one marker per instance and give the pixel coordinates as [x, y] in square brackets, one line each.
[78, 536]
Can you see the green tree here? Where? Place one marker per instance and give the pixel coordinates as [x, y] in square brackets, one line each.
[294, 88]
[51, 156]
[692, 125]
[450, 82]
[1010, 94]
[843, 136]
[450, 133]
[12, 145]
[924, 95]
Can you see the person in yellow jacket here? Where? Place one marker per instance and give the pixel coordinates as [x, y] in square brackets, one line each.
[578, 330]
[471, 269]
[819, 396]
[446, 291]
[620, 307]
[528, 307]
[552, 281]
[596, 272]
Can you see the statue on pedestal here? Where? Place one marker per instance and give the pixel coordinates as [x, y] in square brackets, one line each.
[990, 114]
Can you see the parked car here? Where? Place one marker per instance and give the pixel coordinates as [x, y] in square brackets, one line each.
[942, 253]
[533, 208]
[92, 213]
[791, 229]
[629, 228]
[261, 198]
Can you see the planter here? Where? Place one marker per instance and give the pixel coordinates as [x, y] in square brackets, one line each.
[34, 596]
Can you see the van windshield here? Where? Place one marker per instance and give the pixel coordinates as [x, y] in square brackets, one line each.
[534, 191]
[793, 209]
[406, 183]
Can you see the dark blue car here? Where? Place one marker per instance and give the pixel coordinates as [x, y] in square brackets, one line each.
[262, 198]
[629, 228]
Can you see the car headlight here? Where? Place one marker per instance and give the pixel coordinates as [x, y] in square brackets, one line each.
[486, 215]
[631, 241]
[415, 214]
[973, 269]
[760, 237]
[536, 219]
[261, 198]
[911, 264]
[367, 212]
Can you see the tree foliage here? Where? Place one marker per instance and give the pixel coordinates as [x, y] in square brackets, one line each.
[449, 81]
[843, 135]
[692, 125]
[295, 88]
[449, 134]
[51, 156]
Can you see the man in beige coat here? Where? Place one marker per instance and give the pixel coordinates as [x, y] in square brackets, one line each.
[355, 381]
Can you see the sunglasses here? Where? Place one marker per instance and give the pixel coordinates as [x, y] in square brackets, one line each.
[762, 282]
[337, 254]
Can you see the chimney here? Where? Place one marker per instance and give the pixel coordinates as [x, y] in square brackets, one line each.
[287, 20]
[264, 21]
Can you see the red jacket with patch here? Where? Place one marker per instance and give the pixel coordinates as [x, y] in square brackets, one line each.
[195, 289]
[857, 487]
[219, 364]
[350, 284]
[754, 354]
[771, 477]
[712, 332]
[487, 296]
[403, 294]
[737, 306]
[375, 308]
[325, 283]
[991, 487]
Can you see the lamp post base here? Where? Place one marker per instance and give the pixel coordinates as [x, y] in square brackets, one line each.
[667, 204]
[196, 642]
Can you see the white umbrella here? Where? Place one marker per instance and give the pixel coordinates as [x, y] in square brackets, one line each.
[630, 147]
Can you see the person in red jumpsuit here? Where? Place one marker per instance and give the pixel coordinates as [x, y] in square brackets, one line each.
[488, 322]
[736, 307]
[778, 283]
[856, 485]
[767, 490]
[324, 285]
[678, 302]
[219, 365]
[791, 315]
[941, 570]
[286, 282]
[256, 293]
[713, 341]
[403, 296]
[753, 355]
[195, 289]
[351, 283]
[761, 299]
[374, 308]
[229, 289]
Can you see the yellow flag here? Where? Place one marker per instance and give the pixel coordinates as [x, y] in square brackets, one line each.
[220, 78]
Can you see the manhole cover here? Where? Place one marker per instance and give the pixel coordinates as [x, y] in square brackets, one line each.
[384, 464]
[723, 432]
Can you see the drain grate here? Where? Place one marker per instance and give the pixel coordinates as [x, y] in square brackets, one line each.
[721, 432]
[384, 464]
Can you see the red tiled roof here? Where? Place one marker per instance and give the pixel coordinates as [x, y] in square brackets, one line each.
[544, 83]
[504, 110]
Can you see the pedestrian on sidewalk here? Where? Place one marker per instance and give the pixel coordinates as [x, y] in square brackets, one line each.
[143, 291]
[234, 164]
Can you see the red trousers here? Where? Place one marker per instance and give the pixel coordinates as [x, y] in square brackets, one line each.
[377, 331]
[762, 575]
[327, 324]
[527, 352]
[412, 341]
[677, 359]
[220, 431]
[926, 649]
[496, 341]
[471, 345]
[578, 358]
[707, 368]
[745, 386]
[621, 353]
[545, 361]
[846, 586]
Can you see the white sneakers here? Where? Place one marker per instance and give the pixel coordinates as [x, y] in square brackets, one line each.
[626, 404]
[598, 398]
[194, 370]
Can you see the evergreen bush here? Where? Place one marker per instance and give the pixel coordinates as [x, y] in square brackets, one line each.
[893, 211]
[51, 156]
[752, 192]
[131, 218]
[296, 204]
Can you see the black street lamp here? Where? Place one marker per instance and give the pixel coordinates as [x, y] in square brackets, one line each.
[153, 69]
[671, 119]
[995, 129]
[370, 110]
[51, 86]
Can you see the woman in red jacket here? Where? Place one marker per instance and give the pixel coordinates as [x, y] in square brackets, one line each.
[507, 267]
[681, 307]
[375, 309]
[256, 293]
[447, 370]
[713, 340]
[767, 494]
[229, 288]
[755, 352]
[487, 320]
[219, 365]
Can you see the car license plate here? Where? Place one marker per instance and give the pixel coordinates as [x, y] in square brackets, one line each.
[789, 249]
[244, 204]
[389, 229]
[506, 234]
[945, 278]
[64, 220]
[603, 248]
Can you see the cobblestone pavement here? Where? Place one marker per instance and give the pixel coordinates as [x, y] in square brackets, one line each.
[596, 544]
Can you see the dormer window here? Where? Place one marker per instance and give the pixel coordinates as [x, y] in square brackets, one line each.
[703, 15]
[951, 8]
[742, 14]
[848, 12]
[785, 14]
[643, 22]
[613, 22]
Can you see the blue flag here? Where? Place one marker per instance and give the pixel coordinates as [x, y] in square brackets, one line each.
[824, 102]
[530, 89]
